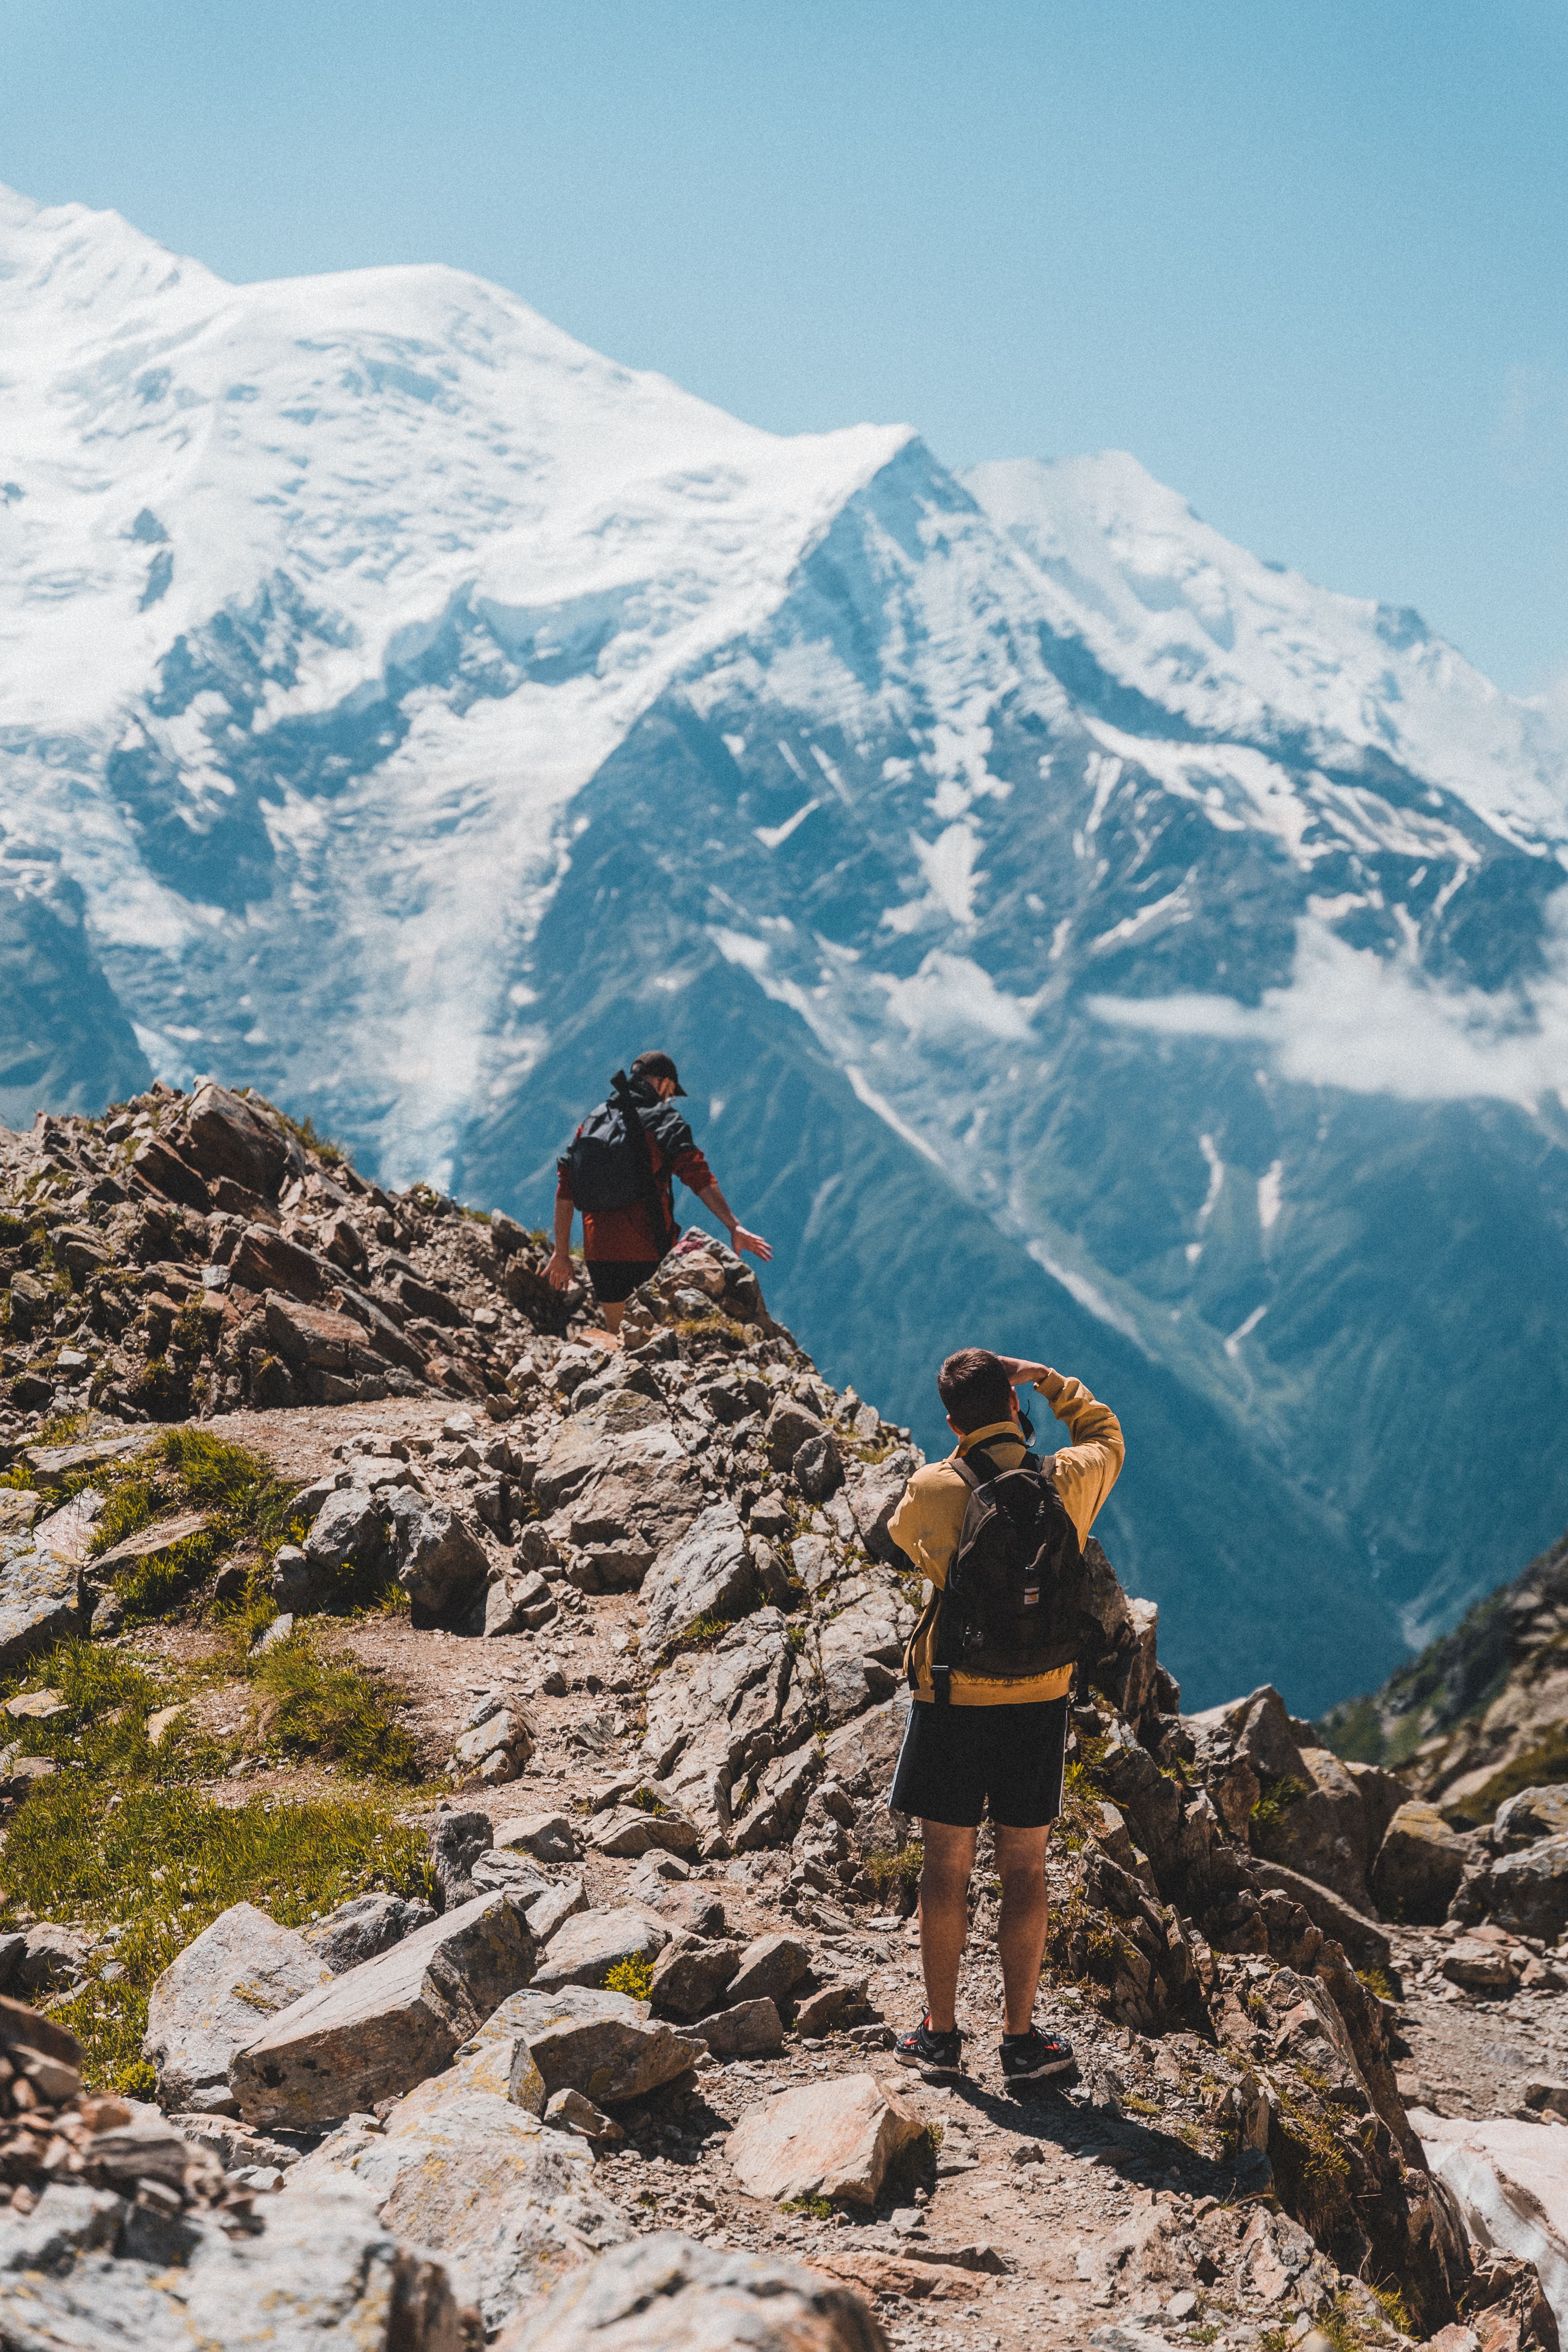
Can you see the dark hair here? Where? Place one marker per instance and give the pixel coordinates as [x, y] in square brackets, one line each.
[974, 1389]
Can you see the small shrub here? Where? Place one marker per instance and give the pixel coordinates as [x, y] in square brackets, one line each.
[817, 2207]
[893, 1872]
[634, 1977]
[1279, 1792]
[1379, 1982]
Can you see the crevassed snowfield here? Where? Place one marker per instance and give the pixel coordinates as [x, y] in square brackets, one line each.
[1082, 931]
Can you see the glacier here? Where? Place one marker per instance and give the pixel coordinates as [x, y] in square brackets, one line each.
[1076, 933]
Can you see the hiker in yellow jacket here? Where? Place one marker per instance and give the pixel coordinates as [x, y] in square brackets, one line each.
[998, 1745]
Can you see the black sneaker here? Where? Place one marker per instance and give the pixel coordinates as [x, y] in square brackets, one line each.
[1031, 2057]
[934, 2053]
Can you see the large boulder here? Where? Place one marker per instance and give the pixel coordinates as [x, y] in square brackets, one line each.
[224, 1137]
[439, 1561]
[605, 2044]
[873, 1495]
[589, 1946]
[1418, 1868]
[667, 2294]
[789, 1427]
[1529, 1890]
[769, 1969]
[1511, 2182]
[1523, 1820]
[751, 2029]
[375, 2033]
[508, 2203]
[216, 1996]
[726, 1702]
[833, 2139]
[1322, 1834]
[708, 1574]
[628, 1830]
[350, 1528]
[691, 1976]
[40, 1602]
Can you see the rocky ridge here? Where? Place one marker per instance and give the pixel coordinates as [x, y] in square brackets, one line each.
[668, 1936]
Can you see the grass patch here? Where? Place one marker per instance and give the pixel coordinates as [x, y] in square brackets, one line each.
[633, 1976]
[1378, 1982]
[158, 1864]
[817, 2207]
[249, 1507]
[311, 1705]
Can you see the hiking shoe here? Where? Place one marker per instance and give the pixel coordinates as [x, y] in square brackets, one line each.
[1031, 2057]
[934, 2053]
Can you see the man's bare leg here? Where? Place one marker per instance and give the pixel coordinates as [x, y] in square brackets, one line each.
[944, 1915]
[1026, 1909]
[610, 1315]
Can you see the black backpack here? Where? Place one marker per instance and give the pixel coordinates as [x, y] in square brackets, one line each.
[609, 1164]
[1016, 1601]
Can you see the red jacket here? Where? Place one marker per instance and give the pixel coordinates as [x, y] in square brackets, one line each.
[626, 1236]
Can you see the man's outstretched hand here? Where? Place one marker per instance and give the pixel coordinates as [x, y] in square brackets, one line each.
[741, 1240]
[558, 1273]
[1022, 1373]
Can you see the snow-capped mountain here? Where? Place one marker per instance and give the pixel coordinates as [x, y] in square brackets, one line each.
[1076, 933]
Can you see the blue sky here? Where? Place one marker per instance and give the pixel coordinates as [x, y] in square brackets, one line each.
[1307, 262]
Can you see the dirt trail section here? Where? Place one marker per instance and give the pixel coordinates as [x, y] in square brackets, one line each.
[449, 1882]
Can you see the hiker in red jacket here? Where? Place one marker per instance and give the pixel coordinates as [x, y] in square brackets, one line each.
[623, 1245]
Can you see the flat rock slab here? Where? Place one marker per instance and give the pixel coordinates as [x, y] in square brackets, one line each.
[1512, 2181]
[40, 1602]
[588, 1946]
[833, 2139]
[375, 2032]
[667, 2294]
[218, 1994]
[508, 2203]
[602, 2043]
[918, 2282]
[149, 1543]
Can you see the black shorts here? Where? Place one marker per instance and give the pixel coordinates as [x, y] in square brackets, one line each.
[957, 1762]
[615, 1279]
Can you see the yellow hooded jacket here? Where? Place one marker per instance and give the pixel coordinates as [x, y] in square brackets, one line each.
[929, 1520]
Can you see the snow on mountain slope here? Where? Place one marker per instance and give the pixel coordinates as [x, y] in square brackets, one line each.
[1240, 647]
[1082, 934]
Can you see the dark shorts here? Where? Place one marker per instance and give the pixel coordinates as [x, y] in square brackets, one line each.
[615, 1279]
[957, 1762]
